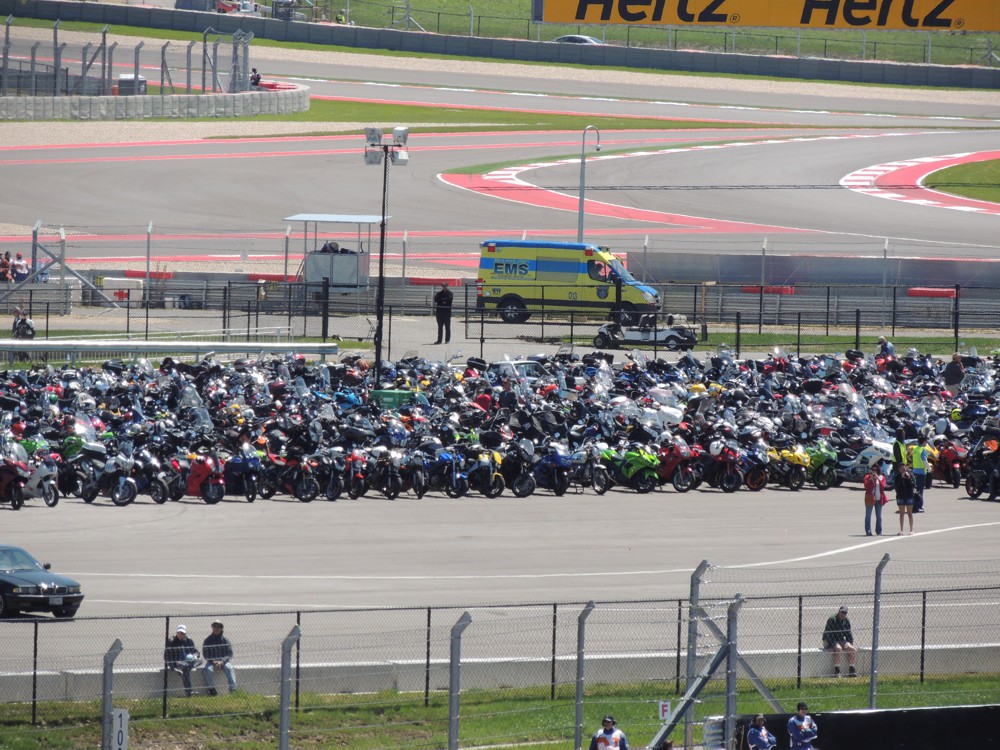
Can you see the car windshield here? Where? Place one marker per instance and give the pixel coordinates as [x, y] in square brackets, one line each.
[12, 560]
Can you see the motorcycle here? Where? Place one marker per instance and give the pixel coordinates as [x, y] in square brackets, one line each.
[675, 464]
[241, 472]
[822, 459]
[42, 481]
[634, 466]
[197, 475]
[14, 474]
[950, 462]
[110, 477]
[788, 466]
[720, 465]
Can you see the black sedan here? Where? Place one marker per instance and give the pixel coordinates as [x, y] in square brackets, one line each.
[28, 586]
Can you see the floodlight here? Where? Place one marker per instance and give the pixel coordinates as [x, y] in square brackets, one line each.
[373, 156]
[373, 136]
[400, 157]
[400, 134]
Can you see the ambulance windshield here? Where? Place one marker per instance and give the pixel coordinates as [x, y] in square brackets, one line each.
[618, 267]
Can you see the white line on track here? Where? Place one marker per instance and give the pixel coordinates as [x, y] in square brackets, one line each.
[535, 576]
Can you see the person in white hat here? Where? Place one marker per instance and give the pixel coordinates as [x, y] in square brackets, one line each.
[182, 656]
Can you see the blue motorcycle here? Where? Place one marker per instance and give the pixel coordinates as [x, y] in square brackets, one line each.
[241, 473]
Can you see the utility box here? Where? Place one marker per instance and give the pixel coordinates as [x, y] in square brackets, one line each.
[131, 85]
[342, 268]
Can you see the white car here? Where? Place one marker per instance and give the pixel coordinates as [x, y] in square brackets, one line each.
[577, 39]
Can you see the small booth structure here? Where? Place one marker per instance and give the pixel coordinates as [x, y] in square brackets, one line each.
[343, 266]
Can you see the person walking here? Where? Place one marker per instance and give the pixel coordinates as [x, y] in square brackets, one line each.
[904, 497]
[181, 656]
[802, 730]
[218, 654]
[442, 312]
[921, 464]
[758, 737]
[875, 498]
[839, 639]
[609, 737]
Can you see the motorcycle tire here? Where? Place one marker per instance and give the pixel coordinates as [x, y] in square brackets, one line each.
[698, 477]
[523, 485]
[50, 494]
[601, 481]
[356, 488]
[796, 478]
[266, 488]
[730, 481]
[177, 489]
[391, 488]
[124, 494]
[418, 484]
[560, 484]
[334, 488]
[956, 478]
[645, 482]
[212, 492]
[89, 491]
[307, 489]
[823, 478]
[755, 479]
[158, 491]
[249, 488]
[973, 486]
[458, 488]
[683, 479]
[495, 487]
[16, 496]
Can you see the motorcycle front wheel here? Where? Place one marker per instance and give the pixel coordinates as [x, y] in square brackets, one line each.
[16, 496]
[560, 483]
[50, 494]
[249, 488]
[683, 479]
[334, 488]
[391, 488]
[973, 486]
[823, 478]
[730, 481]
[306, 489]
[495, 487]
[756, 479]
[212, 492]
[159, 491]
[523, 485]
[645, 482]
[457, 488]
[796, 478]
[123, 494]
[601, 480]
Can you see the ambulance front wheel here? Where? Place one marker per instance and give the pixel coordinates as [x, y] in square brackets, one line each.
[512, 310]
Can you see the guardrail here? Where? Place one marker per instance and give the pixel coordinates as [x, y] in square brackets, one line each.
[75, 348]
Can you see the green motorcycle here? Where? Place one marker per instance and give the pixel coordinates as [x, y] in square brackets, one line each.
[822, 460]
[634, 466]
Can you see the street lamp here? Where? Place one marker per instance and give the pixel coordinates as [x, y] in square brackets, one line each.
[384, 150]
[583, 175]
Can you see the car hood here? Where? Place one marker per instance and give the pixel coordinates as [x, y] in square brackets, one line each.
[43, 578]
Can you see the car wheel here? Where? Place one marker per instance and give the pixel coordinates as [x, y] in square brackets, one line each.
[5, 611]
[159, 491]
[512, 310]
[523, 485]
[50, 494]
[212, 492]
[64, 613]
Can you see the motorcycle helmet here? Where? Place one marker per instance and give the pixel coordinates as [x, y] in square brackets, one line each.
[715, 447]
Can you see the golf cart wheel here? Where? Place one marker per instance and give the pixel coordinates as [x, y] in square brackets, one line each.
[602, 342]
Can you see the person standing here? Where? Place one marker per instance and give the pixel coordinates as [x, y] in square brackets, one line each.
[442, 311]
[609, 737]
[954, 373]
[885, 348]
[181, 655]
[838, 639]
[802, 730]
[218, 653]
[921, 464]
[874, 498]
[904, 497]
[758, 737]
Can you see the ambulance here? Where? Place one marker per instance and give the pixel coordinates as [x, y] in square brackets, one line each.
[517, 278]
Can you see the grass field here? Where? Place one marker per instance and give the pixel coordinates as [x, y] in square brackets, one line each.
[979, 181]
[489, 718]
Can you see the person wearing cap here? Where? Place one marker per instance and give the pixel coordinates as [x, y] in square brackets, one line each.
[838, 639]
[885, 348]
[758, 737]
[442, 312]
[182, 656]
[609, 736]
[218, 653]
[802, 730]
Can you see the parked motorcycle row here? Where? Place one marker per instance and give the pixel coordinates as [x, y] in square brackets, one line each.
[282, 426]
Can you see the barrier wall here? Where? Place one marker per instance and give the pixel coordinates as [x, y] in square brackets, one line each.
[873, 72]
[177, 106]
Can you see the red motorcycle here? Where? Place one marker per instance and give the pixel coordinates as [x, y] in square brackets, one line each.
[949, 464]
[197, 475]
[14, 473]
[676, 464]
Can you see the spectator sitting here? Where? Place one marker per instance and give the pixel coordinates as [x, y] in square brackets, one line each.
[20, 268]
[838, 639]
[254, 77]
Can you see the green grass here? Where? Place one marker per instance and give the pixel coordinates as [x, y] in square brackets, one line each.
[979, 180]
[489, 718]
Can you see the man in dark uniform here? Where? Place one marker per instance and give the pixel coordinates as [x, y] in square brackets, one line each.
[442, 311]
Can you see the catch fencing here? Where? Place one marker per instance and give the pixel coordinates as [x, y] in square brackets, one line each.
[923, 623]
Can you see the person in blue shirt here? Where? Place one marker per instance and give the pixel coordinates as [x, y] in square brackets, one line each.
[609, 737]
[885, 348]
[758, 737]
[802, 730]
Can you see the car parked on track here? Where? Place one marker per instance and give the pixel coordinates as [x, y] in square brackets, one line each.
[27, 585]
[577, 39]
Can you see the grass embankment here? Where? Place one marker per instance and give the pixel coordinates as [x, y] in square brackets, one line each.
[489, 718]
[979, 180]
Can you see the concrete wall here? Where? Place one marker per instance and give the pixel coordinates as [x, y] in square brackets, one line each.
[486, 674]
[512, 49]
[247, 104]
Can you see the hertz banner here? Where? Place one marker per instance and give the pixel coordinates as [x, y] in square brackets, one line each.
[899, 15]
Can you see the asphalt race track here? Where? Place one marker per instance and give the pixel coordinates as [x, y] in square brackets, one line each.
[189, 557]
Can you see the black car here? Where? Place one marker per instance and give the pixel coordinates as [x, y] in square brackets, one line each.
[28, 586]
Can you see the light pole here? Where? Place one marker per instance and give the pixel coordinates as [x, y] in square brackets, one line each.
[383, 149]
[583, 175]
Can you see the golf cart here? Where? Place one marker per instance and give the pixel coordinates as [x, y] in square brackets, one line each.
[673, 336]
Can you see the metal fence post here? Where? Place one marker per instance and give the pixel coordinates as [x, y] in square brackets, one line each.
[325, 325]
[732, 667]
[798, 656]
[427, 662]
[388, 346]
[482, 331]
[738, 331]
[894, 311]
[285, 720]
[798, 332]
[555, 629]
[581, 632]
[692, 640]
[34, 679]
[455, 678]
[876, 621]
[106, 694]
[857, 327]
[225, 311]
[828, 311]
[958, 294]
